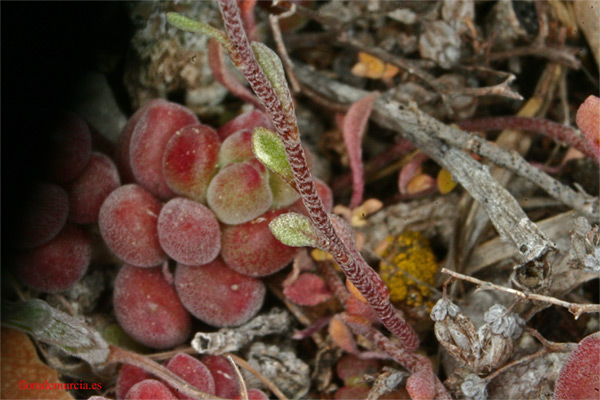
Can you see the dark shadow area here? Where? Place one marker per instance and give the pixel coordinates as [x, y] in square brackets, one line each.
[45, 45]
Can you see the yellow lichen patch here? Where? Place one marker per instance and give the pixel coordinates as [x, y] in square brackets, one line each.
[407, 267]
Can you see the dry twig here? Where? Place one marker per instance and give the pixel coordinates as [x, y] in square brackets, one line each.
[431, 136]
[560, 54]
[281, 49]
[243, 389]
[575, 309]
[548, 347]
[270, 385]
[118, 355]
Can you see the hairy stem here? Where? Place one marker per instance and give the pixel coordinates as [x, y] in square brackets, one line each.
[284, 120]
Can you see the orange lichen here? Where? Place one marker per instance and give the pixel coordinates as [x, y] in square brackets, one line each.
[372, 67]
[407, 267]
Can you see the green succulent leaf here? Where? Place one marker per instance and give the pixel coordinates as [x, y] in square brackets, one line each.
[270, 151]
[189, 25]
[296, 230]
[49, 325]
[271, 65]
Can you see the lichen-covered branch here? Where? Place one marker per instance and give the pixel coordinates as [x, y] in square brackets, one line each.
[444, 144]
[575, 309]
[232, 339]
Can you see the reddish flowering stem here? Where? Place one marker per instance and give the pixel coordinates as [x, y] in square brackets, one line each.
[247, 15]
[424, 382]
[356, 269]
[553, 130]
[122, 356]
[333, 281]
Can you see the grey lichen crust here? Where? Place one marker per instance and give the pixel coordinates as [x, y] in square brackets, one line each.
[164, 60]
[232, 339]
[281, 366]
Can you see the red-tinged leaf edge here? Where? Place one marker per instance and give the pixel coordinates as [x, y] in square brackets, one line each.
[355, 123]
[588, 120]
[578, 377]
[225, 77]
[409, 171]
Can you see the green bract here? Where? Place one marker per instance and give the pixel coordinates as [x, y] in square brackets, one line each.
[269, 150]
[270, 63]
[49, 325]
[189, 25]
[296, 230]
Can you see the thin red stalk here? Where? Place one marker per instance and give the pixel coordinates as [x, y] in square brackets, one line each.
[122, 356]
[381, 160]
[333, 281]
[312, 329]
[360, 326]
[368, 284]
[553, 130]
[225, 78]
[419, 366]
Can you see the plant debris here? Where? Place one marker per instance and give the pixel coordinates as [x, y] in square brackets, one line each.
[342, 199]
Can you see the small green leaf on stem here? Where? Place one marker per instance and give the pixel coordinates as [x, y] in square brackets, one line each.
[270, 151]
[296, 230]
[189, 25]
[272, 67]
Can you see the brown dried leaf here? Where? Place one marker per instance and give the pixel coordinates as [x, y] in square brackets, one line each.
[20, 365]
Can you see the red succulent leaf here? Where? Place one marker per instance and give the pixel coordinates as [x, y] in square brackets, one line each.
[352, 369]
[355, 123]
[588, 120]
[578, 378]
[308, 290]
[421, 384]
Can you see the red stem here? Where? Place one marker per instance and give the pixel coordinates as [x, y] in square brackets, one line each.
[418, 365]
[551, 129]
[381, 160]
[122, 356]
[357, 270]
